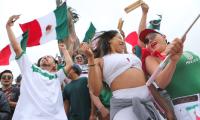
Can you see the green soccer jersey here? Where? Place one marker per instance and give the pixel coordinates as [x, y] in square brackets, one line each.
[105, 95]
[186, 78]
[77, 93]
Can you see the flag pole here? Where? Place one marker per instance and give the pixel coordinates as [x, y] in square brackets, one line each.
[120, 24]
[165, 61]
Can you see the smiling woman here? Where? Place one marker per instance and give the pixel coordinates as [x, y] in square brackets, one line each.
[123, 74]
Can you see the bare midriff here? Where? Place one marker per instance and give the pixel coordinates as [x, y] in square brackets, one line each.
[131, 78]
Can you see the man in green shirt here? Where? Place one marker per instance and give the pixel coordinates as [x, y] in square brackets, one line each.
[76, 96]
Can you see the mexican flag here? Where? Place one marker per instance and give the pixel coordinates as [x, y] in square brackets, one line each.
[7, 54]
[132, 38]
[42, 30]
[50, 27]
[90, 33]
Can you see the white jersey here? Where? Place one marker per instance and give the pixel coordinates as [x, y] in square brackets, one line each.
[40, 93]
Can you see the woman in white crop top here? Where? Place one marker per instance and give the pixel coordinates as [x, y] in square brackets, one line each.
[122, 72]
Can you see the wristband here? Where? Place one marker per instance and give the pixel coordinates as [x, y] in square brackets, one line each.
[92, 65]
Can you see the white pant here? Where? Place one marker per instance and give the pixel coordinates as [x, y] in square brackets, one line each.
[127, 113]
[187, 111]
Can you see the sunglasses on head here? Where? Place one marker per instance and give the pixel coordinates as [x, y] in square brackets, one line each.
[8, 77]
[149, 37]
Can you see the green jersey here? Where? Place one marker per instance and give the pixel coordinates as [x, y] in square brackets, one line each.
[105, 95]
[77, 93]
[186, 78]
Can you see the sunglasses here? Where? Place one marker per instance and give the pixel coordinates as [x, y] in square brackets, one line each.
[8, 77]
[149, 37]
[78, 58]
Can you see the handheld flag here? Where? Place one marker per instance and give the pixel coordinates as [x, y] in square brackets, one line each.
[7, 54]
[50, 27]
[42, 30]
[132, 38]
[90, 33]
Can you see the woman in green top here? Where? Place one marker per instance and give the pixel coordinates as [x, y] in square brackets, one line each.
[184, 85]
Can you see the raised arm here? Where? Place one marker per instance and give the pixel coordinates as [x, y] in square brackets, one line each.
[16, 46]
[164, 78]
[67, 57]
[142, 24]
[95, 73]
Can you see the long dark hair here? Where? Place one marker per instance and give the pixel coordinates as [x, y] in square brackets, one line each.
[103, 45]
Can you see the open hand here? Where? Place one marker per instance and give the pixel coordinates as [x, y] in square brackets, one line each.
[62, 46]
[144, 7]
[84, 47]
[11, 20]
[105, 113]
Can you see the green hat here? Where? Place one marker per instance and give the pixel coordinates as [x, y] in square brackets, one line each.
[154, 27]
